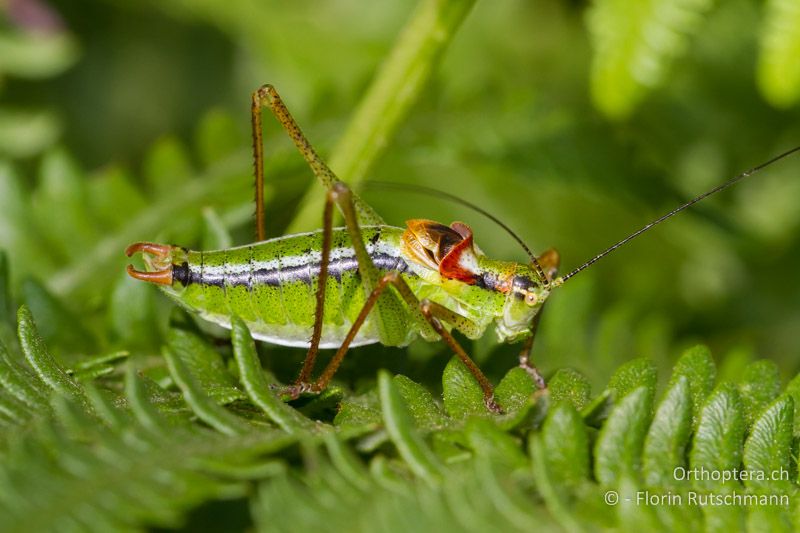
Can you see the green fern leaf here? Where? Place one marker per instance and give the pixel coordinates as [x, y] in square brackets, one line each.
[668, 436]
[717, 446]
[619, 444]
[697, 367]
[37, 355]
[176, 451]
[768, 449]
[463, 396]
[759, 386]
[256, 385]
[565, 444]
[398, 422]
[570, 385]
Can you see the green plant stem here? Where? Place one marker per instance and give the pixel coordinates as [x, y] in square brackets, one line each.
[388, 100]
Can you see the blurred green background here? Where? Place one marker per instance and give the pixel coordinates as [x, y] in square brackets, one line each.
[123, 121]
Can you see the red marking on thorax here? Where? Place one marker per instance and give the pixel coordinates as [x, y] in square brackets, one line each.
[446, 249]
[454, 264]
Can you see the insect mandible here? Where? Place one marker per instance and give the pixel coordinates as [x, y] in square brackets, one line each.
[366, 282]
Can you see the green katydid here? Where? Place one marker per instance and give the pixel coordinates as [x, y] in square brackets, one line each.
[366, 282]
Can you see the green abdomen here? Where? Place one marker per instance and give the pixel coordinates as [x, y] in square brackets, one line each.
[272, 285]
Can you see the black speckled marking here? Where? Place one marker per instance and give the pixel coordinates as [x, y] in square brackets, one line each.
[375, 238]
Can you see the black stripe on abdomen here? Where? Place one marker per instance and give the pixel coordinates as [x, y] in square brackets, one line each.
[274, 277]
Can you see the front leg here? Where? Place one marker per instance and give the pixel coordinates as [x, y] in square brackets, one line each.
[429, 311]
[525, 355]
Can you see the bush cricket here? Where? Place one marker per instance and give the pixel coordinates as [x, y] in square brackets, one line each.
[366, 282]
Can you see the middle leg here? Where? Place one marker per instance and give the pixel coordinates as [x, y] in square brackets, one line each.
[374, 285]
[432, 313]
[301, 383]
[430, 310]
[525, 355]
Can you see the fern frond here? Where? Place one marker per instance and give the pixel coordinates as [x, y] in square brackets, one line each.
[105, 454]
[89, 459]
[86, 476]
[478, 496]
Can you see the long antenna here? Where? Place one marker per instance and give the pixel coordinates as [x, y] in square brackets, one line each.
[560, 280]
[453, 198]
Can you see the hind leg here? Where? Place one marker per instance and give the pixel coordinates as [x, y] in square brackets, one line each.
[267, 96]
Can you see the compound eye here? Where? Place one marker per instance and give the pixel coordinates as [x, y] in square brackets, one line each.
[531, 298]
